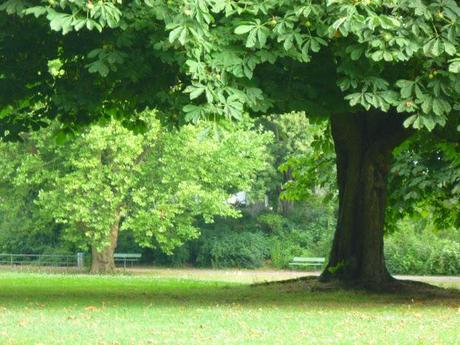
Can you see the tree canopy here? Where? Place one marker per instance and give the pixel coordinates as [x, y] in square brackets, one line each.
[368, 54]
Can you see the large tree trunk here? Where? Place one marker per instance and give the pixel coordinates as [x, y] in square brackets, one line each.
[102, 261]
[364, 144]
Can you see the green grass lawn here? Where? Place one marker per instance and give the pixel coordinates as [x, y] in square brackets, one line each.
[80, 309]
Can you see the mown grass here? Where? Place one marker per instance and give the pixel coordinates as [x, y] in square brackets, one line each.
[81, 309]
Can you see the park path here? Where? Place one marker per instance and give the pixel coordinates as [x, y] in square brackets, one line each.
[432, 279]
[228, 275]
[260, 275]
[225, 275]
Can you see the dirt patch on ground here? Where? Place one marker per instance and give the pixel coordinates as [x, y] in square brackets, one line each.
[230, 275]
[259, 275]
[403, 288]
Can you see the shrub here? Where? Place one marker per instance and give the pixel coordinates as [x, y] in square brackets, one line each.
[283, 250]
[421, 252]
[180, 257]
[274, 224]
[233, 249]
[311, 236]
[446, 259]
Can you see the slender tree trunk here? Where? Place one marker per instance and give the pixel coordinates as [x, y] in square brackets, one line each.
[102, 259]
[364, 144]
[283, 206]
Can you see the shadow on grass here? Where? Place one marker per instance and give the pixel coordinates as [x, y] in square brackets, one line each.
[21, 290]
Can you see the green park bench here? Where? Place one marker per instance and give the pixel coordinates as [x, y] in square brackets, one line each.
[300, 262]
[127, 258]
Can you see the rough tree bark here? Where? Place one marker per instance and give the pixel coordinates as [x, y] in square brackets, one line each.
[364, 143]
[102, 261]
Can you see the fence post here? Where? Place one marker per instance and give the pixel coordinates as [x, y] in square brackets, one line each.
[11, 259]
[80, 260]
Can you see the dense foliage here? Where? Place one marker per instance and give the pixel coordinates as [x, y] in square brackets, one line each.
[419, 247]
[426, 182]
[229, 248]
[401, 54]
[303, 159]
[222, 50]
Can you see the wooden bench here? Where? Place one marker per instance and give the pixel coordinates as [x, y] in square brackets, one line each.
[126, 257]
[307, 262]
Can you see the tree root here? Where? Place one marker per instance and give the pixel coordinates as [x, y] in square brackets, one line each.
[392, 286]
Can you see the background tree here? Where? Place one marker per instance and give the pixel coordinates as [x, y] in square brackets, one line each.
[23, 228]
[154, 184]
[296, 138]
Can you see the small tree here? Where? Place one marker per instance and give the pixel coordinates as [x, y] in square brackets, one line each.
[154, 184]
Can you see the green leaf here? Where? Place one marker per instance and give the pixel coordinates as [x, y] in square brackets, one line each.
[196, 92]
[387, 56]
[54, 67]
[437, 48]
[262, 37]
[243, 29]
[407, 88]
[338, 23]
[314, 45]
[98, 67]
[433, 47]
[193, 113]
[60, 21]
[356, 53]
[354, 98]
[252, 39]
[454, 66]
[437, 107]
[175, 34]
[450, 48]
[409, 121]
[13, 6]
[79, 24]
[428, 122]
[428, 47]
[427, 104]
[183, 36]
[6, 111]
[389, 22]
[377, 55]
[37, 11]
